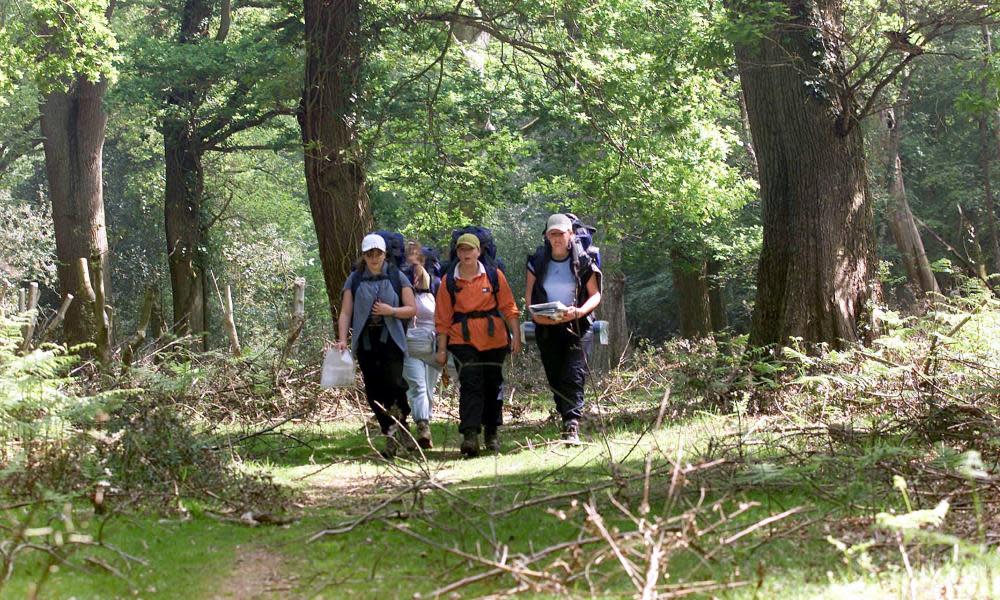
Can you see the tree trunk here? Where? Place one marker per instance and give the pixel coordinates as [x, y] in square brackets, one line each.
[691, 287]
[818, 266]
[184, 190]
[716, 296]
[73, 125]
[986, 154]
[335, 178]
[901, 222]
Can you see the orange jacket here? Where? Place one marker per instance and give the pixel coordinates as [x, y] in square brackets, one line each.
[474, 295]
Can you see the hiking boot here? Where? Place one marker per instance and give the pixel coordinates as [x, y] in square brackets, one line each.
[406, 439]
[424, 435]
[571, 432]
[391, 442]
[470, 444]
[492, 441]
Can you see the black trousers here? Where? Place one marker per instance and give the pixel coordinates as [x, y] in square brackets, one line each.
[382, 371]
[564, 356]
[480, 377]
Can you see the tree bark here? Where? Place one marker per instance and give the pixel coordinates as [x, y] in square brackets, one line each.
[818, 266]
[901, 222]
[335, 177]
[691, 287]
[986, 152]
[73, 126]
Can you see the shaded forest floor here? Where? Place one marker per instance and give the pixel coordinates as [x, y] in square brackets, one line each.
[711, 503]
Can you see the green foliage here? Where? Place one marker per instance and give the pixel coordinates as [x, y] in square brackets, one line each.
[51, 42]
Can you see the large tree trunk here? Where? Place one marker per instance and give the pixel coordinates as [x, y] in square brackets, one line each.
[986, 154]
[691, 287]
[818, 266]
[335, 178]
[73, 125]
[901, 222]
[184, 188]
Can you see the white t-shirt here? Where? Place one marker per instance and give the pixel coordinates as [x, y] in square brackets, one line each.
[559, 283]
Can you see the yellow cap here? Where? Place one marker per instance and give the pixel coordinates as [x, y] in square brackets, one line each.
[468, 239]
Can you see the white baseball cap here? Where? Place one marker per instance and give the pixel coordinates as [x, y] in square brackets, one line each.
[373, 241]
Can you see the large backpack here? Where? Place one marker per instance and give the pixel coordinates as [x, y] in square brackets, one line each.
[585, 238]
[395, 247]
[491, 263]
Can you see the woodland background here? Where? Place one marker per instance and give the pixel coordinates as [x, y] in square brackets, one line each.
[794, 202]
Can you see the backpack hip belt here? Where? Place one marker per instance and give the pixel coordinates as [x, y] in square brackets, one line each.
[463, 318]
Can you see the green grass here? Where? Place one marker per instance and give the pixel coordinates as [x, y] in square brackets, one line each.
[340, 479]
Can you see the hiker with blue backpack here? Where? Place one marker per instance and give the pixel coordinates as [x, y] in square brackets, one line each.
[377, 304]
[420, 368]
[563, 270]
[475, 314]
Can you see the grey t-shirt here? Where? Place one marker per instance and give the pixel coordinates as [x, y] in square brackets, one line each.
[559, 283]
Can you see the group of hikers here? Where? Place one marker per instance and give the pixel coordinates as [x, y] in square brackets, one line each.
[409, 318]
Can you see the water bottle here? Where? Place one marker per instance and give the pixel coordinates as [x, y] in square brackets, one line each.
[338, 369]
[527, 332]
[600, 329]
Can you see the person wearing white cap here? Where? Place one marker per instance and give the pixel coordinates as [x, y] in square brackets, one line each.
[560, 270]
[377, 299]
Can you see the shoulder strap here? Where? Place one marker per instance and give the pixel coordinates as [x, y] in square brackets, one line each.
[449, 283]
[494, 278]
[392, 272]
[540, 260]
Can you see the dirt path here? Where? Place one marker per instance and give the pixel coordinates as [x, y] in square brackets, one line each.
[258, 573]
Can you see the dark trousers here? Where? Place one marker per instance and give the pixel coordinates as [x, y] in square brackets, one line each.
[381, 365]
[564, 356]
[480, 376]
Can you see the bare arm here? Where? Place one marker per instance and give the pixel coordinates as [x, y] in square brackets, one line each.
[344, 321]
[593, 298]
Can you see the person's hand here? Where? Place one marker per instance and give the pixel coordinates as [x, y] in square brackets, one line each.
[382, 309]
[516, 345]
[544, 320]
[570, 314]
[340, 345]
[442, 357]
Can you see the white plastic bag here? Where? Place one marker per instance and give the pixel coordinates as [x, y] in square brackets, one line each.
[338, 369]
